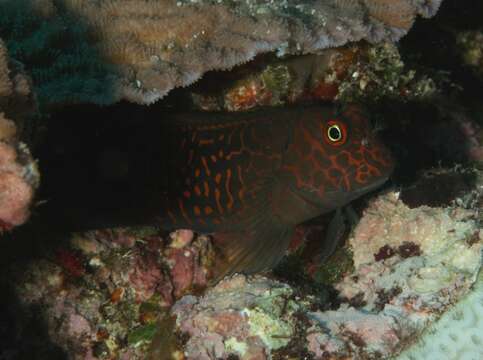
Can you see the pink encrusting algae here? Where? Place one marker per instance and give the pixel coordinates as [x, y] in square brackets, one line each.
[436, 256]
[19, 176]
[386, 301]
[129, 285]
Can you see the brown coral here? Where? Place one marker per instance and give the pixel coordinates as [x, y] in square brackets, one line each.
[151, 47]
[5, 83]
[396, 13]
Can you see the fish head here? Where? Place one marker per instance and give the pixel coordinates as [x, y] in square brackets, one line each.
[334, 158]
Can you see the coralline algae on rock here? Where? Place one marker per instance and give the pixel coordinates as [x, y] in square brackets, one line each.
[410, 266]
[389, 222]
[272, 82]
[381, 73]
[109, 289]
[359, 72]
[376, 334]
[247, 317]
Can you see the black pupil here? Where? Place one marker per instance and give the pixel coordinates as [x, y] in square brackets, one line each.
[334, 133]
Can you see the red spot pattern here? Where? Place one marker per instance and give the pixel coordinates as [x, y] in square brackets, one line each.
[352, 163]
[70, 262]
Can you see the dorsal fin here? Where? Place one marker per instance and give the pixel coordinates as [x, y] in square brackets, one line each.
[211, 120]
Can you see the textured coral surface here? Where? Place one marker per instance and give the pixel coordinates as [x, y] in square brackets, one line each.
[139, 51]
[457, 335]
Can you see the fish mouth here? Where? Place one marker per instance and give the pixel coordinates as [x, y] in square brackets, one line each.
[373, 185]
[339, 197]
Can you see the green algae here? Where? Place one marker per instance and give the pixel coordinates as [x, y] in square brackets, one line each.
[339, 264]
[232, 345]
[142, 334]
[273, 331]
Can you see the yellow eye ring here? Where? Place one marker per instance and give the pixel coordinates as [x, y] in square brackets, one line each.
[334, 133]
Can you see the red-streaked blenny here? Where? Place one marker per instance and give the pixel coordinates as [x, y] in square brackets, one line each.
[249, 178]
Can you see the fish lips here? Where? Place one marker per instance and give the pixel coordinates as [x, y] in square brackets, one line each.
[341, 197]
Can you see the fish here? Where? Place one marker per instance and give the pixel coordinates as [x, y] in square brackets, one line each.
[250, 178]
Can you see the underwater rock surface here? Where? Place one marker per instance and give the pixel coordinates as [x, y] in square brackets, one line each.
[248, 317]
[354, 73]
[124, 293]
[108, 289]
[410, 266]
[139, 51]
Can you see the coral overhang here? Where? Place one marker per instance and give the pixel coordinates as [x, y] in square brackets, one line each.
[140, 50]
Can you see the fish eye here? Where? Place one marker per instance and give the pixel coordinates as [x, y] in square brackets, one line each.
[335, 133]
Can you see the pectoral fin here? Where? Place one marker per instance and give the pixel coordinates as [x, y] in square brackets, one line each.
[335, 233]
[256, 249]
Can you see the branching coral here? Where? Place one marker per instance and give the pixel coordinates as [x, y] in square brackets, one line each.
[103, 51]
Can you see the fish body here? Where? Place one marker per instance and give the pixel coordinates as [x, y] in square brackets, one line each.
[249, 178]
